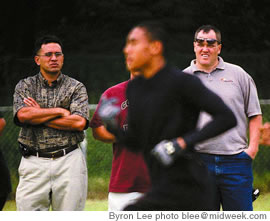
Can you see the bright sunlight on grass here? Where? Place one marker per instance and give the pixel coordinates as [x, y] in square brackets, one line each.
[96, 205]
[91, 205]
[261, 204]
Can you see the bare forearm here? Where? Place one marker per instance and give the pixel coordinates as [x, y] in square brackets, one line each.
[101, 134]
[70, 123]
[255, 124]
[35, 116]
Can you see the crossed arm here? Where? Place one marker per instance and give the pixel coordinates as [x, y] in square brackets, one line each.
[57, 118]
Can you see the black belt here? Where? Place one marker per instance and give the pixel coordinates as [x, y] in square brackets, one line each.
[55, 154]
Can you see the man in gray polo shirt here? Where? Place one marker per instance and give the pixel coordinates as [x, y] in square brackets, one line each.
[228, 156]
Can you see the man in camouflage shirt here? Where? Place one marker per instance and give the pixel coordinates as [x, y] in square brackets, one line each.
[52, 111]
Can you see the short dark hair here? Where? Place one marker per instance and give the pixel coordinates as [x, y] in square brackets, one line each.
[45, 40]
[207, 29]
[155, 31]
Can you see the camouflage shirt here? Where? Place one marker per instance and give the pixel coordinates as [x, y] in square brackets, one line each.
[65, 92]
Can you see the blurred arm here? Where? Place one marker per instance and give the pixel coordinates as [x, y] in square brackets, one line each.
[100, 133]
[265, 134]
[2, 125]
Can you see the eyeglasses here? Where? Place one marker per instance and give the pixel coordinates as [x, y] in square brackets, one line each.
[210, 42]
[50, 54]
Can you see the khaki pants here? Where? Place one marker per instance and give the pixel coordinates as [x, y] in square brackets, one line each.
[118, 201]
[60, 183]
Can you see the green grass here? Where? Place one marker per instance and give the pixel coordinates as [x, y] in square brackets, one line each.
[96, 205]
[10, 206]
[261, 204]
[91, 205]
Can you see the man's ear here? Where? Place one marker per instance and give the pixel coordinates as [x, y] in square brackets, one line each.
[194, 47]
[219, 48]
[36, 58]
[156, 47]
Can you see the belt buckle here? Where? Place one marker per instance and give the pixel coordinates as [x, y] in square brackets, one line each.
[53, 154]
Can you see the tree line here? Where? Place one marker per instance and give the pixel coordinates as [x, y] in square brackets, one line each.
[95, 28]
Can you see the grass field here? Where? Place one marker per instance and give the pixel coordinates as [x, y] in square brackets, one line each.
[261, 204]
[91, 205]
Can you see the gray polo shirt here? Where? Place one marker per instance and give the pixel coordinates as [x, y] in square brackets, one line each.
[238, 91]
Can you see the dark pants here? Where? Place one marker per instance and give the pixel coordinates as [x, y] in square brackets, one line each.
[5, 184]
[232, 175]
[3, 200]
[186, 186]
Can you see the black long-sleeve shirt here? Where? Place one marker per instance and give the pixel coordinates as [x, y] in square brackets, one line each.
[167, 106]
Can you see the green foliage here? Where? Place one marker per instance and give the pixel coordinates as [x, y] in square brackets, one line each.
[94, 55]
[97, 71]
[101, 71]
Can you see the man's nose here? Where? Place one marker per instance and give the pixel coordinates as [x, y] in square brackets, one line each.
[53, 56]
